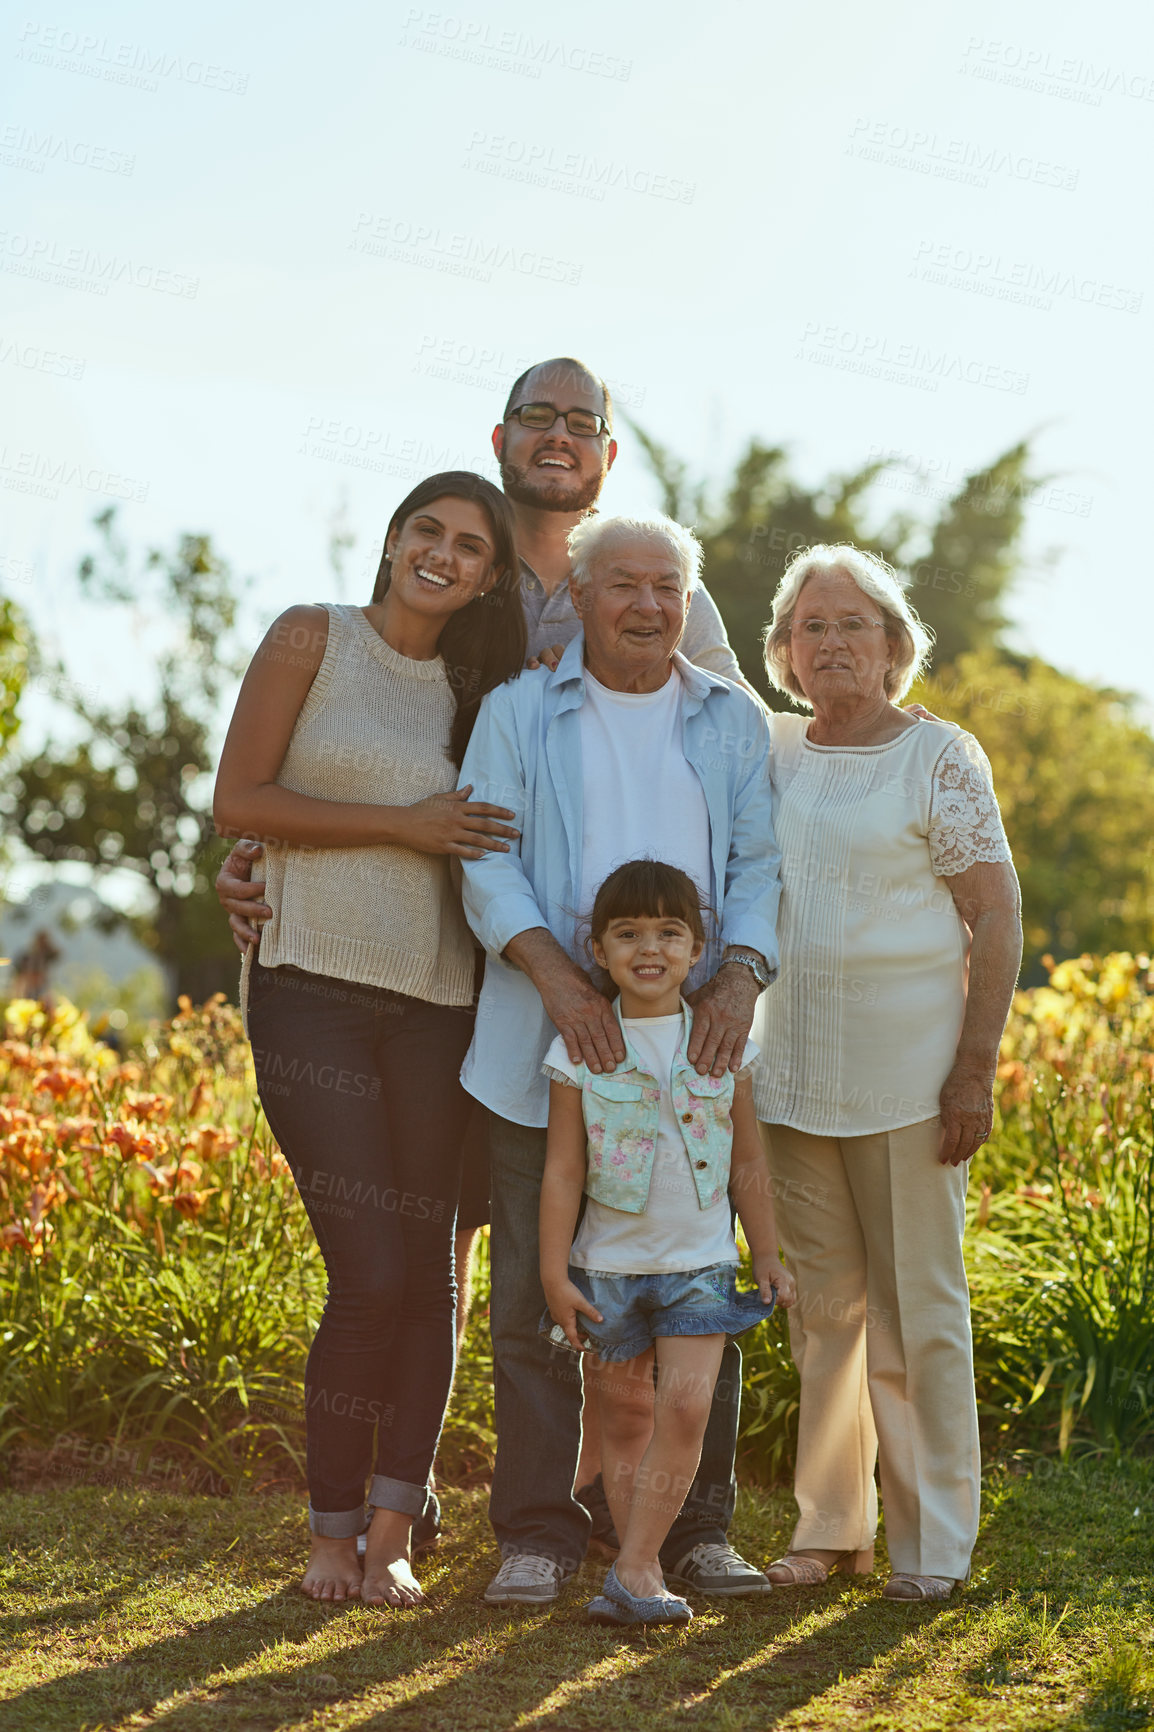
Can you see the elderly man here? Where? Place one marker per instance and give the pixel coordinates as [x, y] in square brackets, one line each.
[624, 749]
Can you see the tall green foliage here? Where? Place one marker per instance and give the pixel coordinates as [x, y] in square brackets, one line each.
[974, 557]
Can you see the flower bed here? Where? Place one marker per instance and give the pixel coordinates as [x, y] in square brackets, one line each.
[159, 1282]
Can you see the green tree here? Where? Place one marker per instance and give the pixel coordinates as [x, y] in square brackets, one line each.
[1074, 773]
[134, 791]
[14, 659]
[961, 566]
[974, 557]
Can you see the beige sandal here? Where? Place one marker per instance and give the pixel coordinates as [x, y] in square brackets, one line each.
[903, 1586]
[799, 1570]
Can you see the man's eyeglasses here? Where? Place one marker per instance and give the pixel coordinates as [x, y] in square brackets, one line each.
[850, 625]
[542, 416]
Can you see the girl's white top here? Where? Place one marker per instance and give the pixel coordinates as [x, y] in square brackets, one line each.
[374, 729]
[674, 1233]
[859, 1031]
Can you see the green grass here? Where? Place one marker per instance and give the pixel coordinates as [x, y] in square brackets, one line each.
[129, 1608]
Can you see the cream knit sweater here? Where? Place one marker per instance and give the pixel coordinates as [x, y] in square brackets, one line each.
[374, 730]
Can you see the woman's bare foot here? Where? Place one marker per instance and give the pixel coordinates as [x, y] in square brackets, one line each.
[389, 1578]
[334, 1571]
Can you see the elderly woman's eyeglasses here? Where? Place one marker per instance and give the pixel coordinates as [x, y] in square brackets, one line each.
[849, 625]
[541, 416]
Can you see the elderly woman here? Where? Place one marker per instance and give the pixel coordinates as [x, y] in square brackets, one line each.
[900, 940]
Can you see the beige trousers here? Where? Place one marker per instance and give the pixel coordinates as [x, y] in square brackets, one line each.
[872, 1229]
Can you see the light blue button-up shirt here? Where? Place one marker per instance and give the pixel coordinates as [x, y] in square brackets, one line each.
[525, 754]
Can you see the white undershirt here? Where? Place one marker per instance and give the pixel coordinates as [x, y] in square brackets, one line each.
[641, 798]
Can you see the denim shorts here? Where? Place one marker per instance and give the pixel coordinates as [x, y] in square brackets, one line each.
[637, 1309]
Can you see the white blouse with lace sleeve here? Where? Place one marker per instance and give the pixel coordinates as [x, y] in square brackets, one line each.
[965, 823]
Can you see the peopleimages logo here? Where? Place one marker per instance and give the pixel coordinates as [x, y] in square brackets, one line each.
[1028, 67]
[1018, 281]
[920, 366]
[480, 43]
[130, 63]
[940, 477]
[359, 445]
[896, 145]
[50, 261]
[35, 359]
[16, 570]
[24, 147]
[42, 475]
[383, 235]
[458, 361]
[571, 172]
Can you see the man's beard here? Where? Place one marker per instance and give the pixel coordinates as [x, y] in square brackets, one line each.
[521, 487]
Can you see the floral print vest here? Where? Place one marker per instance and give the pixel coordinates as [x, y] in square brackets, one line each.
[621, 1117]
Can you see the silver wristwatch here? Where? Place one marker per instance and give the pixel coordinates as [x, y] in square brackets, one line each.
[751, 960]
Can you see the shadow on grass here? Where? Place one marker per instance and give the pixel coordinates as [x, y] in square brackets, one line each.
[174, 1663]
[799, 1667]
[757, 1664]
[80, 1612]
[460, 1667]
[555, 1672]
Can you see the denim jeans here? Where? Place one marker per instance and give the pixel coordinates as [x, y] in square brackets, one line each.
[360, 1088]
[538, 1390]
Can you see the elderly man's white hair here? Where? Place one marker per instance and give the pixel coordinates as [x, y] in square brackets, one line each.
[912, 640]
[595, 537]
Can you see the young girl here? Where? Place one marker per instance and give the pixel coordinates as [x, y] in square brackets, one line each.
[343, 756]
[657, 1150]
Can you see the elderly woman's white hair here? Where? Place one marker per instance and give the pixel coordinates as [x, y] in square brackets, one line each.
[596, 536]
[912, 640]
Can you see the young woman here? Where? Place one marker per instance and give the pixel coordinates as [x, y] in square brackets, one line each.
[342, 757]
[657, 1150]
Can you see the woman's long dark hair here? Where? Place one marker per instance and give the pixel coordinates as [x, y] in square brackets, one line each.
[484, 643]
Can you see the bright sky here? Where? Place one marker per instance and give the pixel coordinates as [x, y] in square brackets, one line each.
[260, 261]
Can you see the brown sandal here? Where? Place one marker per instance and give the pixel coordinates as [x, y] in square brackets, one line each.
[799, 1570]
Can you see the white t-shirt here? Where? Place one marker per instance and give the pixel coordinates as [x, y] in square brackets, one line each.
[674, 1233]
[641, 798]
